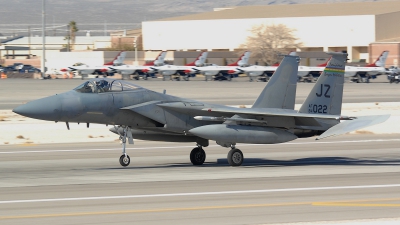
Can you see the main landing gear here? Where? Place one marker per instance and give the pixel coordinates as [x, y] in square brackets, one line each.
[197, 156]
[235, 157]
[124, 160]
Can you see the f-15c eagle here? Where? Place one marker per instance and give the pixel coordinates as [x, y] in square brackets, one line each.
[140, 113]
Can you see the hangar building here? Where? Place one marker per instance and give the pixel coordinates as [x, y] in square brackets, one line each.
[350, 27]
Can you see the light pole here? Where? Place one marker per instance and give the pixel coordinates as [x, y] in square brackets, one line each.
[135, 45]
[43, 40]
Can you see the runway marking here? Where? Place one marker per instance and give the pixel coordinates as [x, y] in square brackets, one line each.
[356, 204]
[151, 210]
[199, 193]
[191, 146]
[360, 203]
[349, 203]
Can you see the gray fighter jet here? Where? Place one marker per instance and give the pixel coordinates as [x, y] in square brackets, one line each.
[139, 113]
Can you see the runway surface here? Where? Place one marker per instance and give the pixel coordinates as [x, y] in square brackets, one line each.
[14, 92]
[347, 177]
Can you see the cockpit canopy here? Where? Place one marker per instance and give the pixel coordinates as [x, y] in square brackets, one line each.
[101, 85]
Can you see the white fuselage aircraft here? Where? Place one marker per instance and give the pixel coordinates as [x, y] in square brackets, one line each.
[225, 72]
[361, 73]
[145, 70]
[353, 72]
[86, 69]
[187, 70]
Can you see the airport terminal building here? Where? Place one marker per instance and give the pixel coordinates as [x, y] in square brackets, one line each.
[360, 28]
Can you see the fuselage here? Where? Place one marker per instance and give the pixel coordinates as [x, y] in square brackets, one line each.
[114, 102]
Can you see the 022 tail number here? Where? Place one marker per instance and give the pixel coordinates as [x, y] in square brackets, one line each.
[314, 108]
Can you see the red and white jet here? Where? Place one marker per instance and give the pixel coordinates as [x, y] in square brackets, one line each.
[364, 73]
[145, 70]
[85, 70]
[188, 70]
[225, 72]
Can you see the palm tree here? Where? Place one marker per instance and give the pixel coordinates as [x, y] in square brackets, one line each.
[72, 32]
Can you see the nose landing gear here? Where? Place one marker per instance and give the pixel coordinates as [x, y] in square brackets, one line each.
[124, 160]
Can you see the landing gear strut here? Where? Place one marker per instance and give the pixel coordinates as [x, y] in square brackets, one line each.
[235, 157]
[125, 160]
[197, 156]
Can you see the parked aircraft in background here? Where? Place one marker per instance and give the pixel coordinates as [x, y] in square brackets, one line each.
[225, 72]
[139, 113]
[147, 70]
[263, 73]
[361, 74]
[354, 73]
[85, 70]
[188, 70]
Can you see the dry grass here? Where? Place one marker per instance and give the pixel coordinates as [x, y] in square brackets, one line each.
[364, 132]
[20, 137]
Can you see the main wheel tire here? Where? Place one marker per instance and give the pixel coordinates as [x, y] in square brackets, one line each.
[197, 156]
[124, 160]
[235, 157]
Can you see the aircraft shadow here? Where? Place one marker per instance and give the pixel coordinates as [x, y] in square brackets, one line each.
[260, 162]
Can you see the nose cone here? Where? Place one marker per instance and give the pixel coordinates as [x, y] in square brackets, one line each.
[48, 108]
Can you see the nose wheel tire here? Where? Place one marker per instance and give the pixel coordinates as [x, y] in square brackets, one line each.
[197, 156]
[235, 157]
[124, 160]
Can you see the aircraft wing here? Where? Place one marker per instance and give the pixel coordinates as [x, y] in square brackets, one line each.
[352, 125]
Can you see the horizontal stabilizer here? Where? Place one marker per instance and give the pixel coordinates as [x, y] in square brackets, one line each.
[352, 125]
[268, 112]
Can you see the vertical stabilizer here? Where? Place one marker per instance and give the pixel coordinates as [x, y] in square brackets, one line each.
[118, 60]
[159, 61]
[380, 61]
[325, 63]
[280, 91]
[243, 60]
[290, 53]
[326, 95]
[200, 60]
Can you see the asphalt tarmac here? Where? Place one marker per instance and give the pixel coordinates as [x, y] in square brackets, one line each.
[239, 91]
[342, 178]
